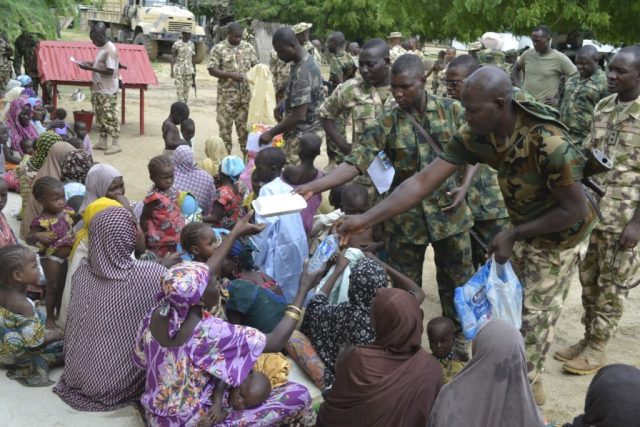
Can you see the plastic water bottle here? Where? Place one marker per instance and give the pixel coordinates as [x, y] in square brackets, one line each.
[323, 252]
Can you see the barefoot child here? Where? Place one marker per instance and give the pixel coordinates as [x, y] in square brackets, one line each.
[170, 133]
[227, 206]
[32, 350]
[161, 220]
[52, 233]
[440, 332]
[304, 173]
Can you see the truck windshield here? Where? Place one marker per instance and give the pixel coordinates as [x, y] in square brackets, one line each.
[157, 2]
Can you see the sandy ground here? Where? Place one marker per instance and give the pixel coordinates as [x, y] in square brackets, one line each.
[565, 392]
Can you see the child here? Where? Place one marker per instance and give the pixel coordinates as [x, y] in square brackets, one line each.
[25, 174]
[81, 131]
[170, 133]
[6, 234]
[214, 151]
[161, 220]
[52, 233]
[440, 332]
[305, 173]
[76, 143]
[188, 131]
[355, 202]
[31, 350]
[282, 245]
[59, 125]
[227, 206]
[253, 391]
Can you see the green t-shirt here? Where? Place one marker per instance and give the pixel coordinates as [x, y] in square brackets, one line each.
[260, 308]
[542, 73]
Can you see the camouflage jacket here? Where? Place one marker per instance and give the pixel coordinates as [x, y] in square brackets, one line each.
[409, 152]
[26, 44]
[396, 52]
[184, 57]
[538, 157]
[492, 57]
[5, 55]
[616, 132]
[279, 72]
[237, 59]
[315, 53]
[304, 87]
[578, 97]
[442, 86]
[341, 67]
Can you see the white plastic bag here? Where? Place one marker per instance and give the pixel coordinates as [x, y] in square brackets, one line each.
[504, 292]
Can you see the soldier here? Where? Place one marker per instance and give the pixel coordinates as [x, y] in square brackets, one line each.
[279, 74]
[25, 52]
[440, 69]
[183, 65]
[6, 52]
[539, 172]
[581, 92]
[395, 50]
[354, 50]
[610, 267]
[302, 31]
[303, 95]
[396, 134]
[482, 190]
[362, 98]
[229, 61]
[104, 90]
[341, 65]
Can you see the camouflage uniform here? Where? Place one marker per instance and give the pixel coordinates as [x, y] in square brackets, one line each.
[412, 231]
[396, 52]
[540, 157]
[25, 51]
[5, 63]
[183, 68]
[578, 97]
[608, 268]
[492, 57]
[315, 53]
[441, 87]
[304, 87]
[233, 97]
[364, 104]
[280, 74]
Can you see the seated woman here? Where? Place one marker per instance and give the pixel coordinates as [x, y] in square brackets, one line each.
[613, 398]
[187, 177]
[209, 354]
[391, 382]
[492, 389]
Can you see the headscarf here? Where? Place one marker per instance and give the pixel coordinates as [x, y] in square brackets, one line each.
[89, 213]
[182, 287]
[189, 178]
[33, 101]
[51, 167]
[19, 132]
[243, 249]
[13, 83]
[24, 80]
[232, 166]
[215, 151]
[493, 388]
[43, 146]
[75, 166]
[392, 381]
[98, 181]
[9, 97]
[112, 240]
[613, 398]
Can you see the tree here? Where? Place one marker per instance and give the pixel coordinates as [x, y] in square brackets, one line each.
[35, 15]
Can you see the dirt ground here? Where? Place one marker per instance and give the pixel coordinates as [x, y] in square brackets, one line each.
[565, 392]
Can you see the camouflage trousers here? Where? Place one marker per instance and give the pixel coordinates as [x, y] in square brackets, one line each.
[105, 109]
[228, 115]
[486, 230]
[292, 144]
[545, 275]
[183, 86]
[605, 273]
[452, 257]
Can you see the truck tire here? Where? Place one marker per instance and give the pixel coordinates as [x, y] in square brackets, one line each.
[201, 52]
[149, 44]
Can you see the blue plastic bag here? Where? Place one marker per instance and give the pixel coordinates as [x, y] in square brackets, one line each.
[472, 304]
[504, 292]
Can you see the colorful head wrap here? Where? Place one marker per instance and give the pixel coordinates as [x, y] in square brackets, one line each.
[43, 146]
[19, 132]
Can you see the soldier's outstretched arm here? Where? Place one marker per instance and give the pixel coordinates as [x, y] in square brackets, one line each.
[408, 194]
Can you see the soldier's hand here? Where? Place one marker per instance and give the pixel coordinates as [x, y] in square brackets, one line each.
[172, 74]
[502, 246]
[350, 224]
[83, 65]
[458, 194]
[237, 77]
[265, 138]
[306, 191]
[630, 235]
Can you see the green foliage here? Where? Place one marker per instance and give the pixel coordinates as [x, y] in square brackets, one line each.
[35, 15]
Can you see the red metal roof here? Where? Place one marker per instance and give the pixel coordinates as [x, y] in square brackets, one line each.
[54, 63]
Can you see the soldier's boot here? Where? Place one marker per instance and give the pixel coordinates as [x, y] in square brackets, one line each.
[570, 353]
[115, 148]
[102, 144]
[537, 389]
[589, 361]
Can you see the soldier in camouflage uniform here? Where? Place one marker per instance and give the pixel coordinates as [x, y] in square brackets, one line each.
[302, 31]
[396, 135]
[492, 57]
[395, 48]
[363, 99]
[539, 173]
[280, 75]
[6, 52]
[303, 95]
[229, 61]
[581, 92]
[183, 54]
[25, 53]
[610, 267]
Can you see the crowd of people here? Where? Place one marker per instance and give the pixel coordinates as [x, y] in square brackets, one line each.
[191, 307]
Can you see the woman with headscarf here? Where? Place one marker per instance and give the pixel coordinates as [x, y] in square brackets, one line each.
[19, 123]
[226, 208]
[37, 114]
[390, 382]
[100, 178]
[330, 327]
[111, 293]
[75, 167]
[214, 151]
[187, 177]
[51, 167]
[613, 399]
[493, 388]
[10, 95]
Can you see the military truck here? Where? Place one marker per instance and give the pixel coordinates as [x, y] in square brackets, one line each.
[156, 24]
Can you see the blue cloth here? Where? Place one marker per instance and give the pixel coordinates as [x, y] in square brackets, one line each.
[232, 166]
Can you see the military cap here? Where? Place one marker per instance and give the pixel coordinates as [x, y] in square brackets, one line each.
[300, 27]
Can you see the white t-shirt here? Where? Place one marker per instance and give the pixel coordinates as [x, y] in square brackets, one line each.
[107, 58]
